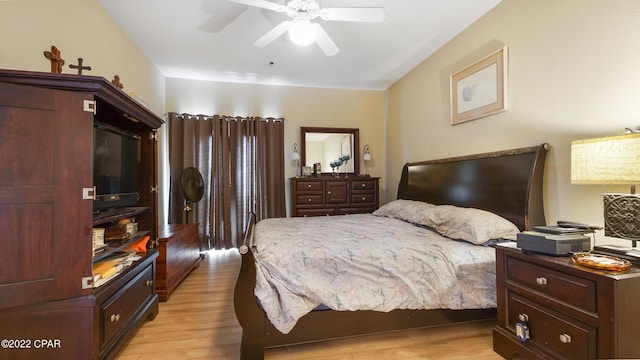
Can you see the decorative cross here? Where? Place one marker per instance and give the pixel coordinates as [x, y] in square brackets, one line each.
[116, 82]
[80, 67]
[56, 60]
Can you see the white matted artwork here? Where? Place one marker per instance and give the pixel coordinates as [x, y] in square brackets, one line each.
[480, 89]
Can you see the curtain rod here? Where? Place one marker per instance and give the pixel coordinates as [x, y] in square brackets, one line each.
[232, 118]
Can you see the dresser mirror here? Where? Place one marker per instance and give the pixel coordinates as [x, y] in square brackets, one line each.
[326, 145]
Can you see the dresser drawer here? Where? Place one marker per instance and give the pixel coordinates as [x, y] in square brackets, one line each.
[309, 199]
[313, 186]
[119, 308]
[363, 198]
[552, 332]
[363, 185]
[577, 291]
[316, 212]
[349, 210]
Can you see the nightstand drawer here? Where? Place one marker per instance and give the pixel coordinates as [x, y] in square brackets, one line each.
[552, 332]
[302, 186]
[564, 287]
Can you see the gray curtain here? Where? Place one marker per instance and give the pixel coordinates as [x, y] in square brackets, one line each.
[242, 164]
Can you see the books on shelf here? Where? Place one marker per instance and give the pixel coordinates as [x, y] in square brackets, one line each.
[109, 267]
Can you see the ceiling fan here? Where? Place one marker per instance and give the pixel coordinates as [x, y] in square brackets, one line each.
[302, 30]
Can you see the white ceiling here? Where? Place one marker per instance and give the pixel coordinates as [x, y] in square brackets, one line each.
[213, 40]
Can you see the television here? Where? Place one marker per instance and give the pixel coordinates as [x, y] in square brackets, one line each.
[116, 168]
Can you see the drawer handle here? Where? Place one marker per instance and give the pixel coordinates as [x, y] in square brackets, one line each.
[565, 339]
[523, 317]
[363, 185]
[541, 280]
[309, 186]
[329, 192]
[309, 199]
[363, 198]
[149, 282]
[115, 317]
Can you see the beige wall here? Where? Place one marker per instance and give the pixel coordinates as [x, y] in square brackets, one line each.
[573, 74]
[78, 28]
[300, 106]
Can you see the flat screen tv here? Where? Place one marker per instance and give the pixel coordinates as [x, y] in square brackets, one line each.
[116, 168]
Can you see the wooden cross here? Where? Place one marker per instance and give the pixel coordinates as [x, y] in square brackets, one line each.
[116, 82]
[56, 60]
[80, 67]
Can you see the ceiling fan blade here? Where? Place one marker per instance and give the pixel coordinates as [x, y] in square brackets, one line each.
[373, 15]
[324, 41]
[262, 4]
[267, 38]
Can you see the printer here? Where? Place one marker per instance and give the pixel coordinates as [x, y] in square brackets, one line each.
[553, 244]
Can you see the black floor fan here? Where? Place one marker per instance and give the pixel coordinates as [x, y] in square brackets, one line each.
[192, 186]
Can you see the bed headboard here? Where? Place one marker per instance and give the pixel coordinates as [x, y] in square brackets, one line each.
[508, 183]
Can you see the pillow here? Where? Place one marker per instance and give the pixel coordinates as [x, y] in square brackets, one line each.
[407, 210]
[473, 225]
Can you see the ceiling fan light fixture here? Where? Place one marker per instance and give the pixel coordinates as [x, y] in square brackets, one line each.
[302, 32]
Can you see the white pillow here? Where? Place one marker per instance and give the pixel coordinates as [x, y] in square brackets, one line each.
[407, 210]
[473, 225]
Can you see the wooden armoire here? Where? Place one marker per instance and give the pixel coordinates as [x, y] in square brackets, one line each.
[49, 308]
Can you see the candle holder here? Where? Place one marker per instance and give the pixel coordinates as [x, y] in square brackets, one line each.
[345, 159]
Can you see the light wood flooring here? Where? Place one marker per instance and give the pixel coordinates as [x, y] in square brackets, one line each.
[198, 322]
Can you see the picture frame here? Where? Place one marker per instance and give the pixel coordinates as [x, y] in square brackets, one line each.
[480, 89]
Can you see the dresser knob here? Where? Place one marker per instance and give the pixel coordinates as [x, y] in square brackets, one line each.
[149, 282]
[115, 317]
[363, 185]
[523, 317]
[565, 339]
[328, 192]
[363, 198]
[309, 199]
[541, 280]
[309, 186]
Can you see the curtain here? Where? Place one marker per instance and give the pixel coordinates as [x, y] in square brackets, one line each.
[242, 164]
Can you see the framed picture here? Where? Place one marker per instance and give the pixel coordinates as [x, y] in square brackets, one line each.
[480, 89]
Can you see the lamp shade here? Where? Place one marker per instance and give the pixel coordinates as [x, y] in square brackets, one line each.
[295, 155]
[607, 160]
[367, 155]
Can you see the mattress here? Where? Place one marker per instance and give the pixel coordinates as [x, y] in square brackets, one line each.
[365, 262]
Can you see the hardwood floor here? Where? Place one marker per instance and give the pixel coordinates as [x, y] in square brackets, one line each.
[198, 322]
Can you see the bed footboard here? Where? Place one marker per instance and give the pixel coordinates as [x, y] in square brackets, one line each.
[249, 314]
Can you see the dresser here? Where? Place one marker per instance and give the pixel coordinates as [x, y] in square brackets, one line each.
[327, 195]
[568, 311]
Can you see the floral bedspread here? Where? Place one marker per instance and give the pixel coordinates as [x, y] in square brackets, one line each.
[365, 262]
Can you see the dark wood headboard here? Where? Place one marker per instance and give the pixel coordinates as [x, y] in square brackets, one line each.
[507, 183]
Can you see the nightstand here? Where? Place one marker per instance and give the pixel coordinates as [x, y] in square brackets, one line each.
[570, 311]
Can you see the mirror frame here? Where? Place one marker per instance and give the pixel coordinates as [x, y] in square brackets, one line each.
[355, 132]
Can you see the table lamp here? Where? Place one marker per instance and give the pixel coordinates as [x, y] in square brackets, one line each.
[366, 157]
[612, 160]
[295, 156]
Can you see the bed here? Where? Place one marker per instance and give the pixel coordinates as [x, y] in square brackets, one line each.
[503, 186]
